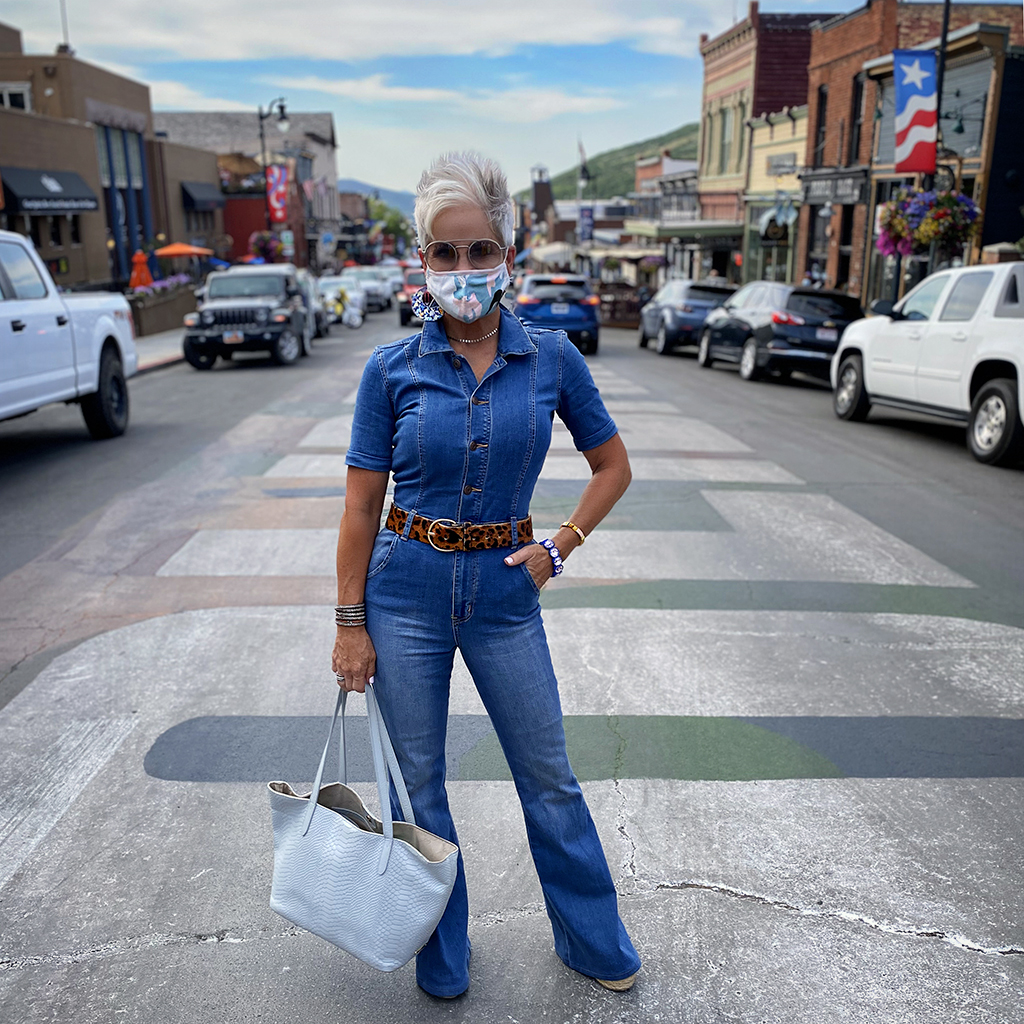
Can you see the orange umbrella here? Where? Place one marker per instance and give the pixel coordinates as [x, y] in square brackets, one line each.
[181, 249]
[140, 271]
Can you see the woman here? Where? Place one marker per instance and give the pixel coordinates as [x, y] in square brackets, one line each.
[461, 415]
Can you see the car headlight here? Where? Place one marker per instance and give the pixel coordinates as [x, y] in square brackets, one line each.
[207, 317]
[191, 319]
[261, 315]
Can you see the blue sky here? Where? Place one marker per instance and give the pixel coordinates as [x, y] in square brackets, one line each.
[406, 79]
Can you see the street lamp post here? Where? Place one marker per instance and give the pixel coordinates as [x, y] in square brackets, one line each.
[282, 126]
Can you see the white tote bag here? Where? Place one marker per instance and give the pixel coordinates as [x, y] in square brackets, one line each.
[375, 888]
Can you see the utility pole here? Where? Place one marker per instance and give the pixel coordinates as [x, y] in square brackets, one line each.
[940, 74]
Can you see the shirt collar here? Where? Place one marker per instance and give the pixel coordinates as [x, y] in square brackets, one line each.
[513, 339]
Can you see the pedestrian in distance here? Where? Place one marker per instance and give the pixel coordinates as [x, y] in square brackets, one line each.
[460, 415]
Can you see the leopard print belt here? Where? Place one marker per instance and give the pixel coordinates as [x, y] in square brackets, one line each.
[448, 535]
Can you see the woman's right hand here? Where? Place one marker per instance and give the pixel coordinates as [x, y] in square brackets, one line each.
[354, 658]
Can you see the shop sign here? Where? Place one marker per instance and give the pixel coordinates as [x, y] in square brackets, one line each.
[846, 189]
[780, 164]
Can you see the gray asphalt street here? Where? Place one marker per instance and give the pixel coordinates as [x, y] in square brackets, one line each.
[791, 664]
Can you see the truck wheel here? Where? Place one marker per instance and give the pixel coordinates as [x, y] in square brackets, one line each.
[106, 410]
[995, 435]
[197, 357]
[286, 348]
[851, 400]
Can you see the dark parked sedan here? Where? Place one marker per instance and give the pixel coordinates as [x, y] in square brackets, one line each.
[561, 302]
[676, 314]
[777, 328]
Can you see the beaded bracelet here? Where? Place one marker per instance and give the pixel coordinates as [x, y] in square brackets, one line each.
[556, 556]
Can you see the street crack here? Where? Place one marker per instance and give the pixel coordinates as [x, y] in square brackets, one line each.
[847, 917]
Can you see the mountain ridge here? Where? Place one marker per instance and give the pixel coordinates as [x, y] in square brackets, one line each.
[612, 172]
[400, 200]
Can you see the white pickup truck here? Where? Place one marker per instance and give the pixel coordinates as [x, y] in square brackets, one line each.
[952, 347]
[61, 348]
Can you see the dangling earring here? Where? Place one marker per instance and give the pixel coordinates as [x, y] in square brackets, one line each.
[424, 306]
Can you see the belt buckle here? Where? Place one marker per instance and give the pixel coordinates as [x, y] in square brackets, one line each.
[430, 532]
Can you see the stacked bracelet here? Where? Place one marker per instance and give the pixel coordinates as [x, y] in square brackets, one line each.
[575, 529]
[556, 556]
[350, 614]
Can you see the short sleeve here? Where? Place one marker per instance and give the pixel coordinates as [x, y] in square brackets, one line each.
[373, 423]
[579, 402]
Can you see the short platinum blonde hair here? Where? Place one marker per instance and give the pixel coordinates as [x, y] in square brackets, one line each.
[455, 179]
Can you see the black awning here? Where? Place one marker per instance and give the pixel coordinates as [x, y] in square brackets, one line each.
[30, 191]
[201, 196]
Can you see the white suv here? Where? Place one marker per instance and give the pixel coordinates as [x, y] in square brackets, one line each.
[953, 347]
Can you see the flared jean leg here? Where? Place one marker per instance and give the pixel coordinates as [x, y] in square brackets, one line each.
[511, 666]
[412, 686]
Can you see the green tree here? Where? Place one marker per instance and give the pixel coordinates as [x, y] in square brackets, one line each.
[395, 222]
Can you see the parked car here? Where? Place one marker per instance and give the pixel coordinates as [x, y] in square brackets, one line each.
[249, 309]
[412, 281]
[315, 319]
[393, 274]
[61, 348]
[675, 315]
[777, 328]
[330, 284]
[378, 291]
[561, 302]
[953, 348]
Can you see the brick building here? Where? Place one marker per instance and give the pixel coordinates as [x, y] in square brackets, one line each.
[757, 66]
[838, 202]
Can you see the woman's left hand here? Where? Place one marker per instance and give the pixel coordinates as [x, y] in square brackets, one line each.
[537, 560]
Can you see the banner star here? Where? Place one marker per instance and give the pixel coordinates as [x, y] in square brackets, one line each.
[914, 73]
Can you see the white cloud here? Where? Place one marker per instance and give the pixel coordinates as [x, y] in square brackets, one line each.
[331, 29]
[516, 105]
[169, 95]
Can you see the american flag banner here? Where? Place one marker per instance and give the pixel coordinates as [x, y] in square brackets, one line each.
[917, 110]
[277, 192]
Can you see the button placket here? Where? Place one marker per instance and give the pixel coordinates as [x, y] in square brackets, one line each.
[479, 427]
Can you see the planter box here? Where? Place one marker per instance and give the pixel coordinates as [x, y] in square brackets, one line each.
[162, 311]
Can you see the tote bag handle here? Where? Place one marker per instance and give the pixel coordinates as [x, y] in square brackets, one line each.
[385, 768]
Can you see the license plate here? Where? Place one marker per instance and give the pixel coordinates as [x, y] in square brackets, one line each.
[826, 334]
[560, 308]
[233, 337]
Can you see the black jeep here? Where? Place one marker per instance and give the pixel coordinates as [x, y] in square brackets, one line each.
[248, 309]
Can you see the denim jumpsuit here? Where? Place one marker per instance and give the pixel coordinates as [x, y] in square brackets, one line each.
[472, 451]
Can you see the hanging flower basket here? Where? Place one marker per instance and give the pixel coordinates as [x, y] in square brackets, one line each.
[912, 221]
[265, 244]
[652, 262]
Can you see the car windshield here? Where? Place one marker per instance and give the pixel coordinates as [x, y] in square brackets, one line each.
[362, 274]
[559, 291]
[836, 307]
[329, 284]
[415, 278]
[708, 293]
[235, 286]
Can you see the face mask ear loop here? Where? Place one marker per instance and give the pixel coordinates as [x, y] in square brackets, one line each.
[494, 302]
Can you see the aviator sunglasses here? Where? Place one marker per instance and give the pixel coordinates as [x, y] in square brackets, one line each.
[484, 254]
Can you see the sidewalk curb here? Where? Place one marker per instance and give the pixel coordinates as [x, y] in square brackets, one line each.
[159, 365]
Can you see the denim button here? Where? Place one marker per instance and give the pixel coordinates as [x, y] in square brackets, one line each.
[473, 445]
[479, 401]
[467, 489]
[457, 363]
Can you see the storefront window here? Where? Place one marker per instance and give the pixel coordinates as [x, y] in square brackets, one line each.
[75, 225]
[54, 226]
[35, 232]
[134, 140]
[120, 167]
[102, 156]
